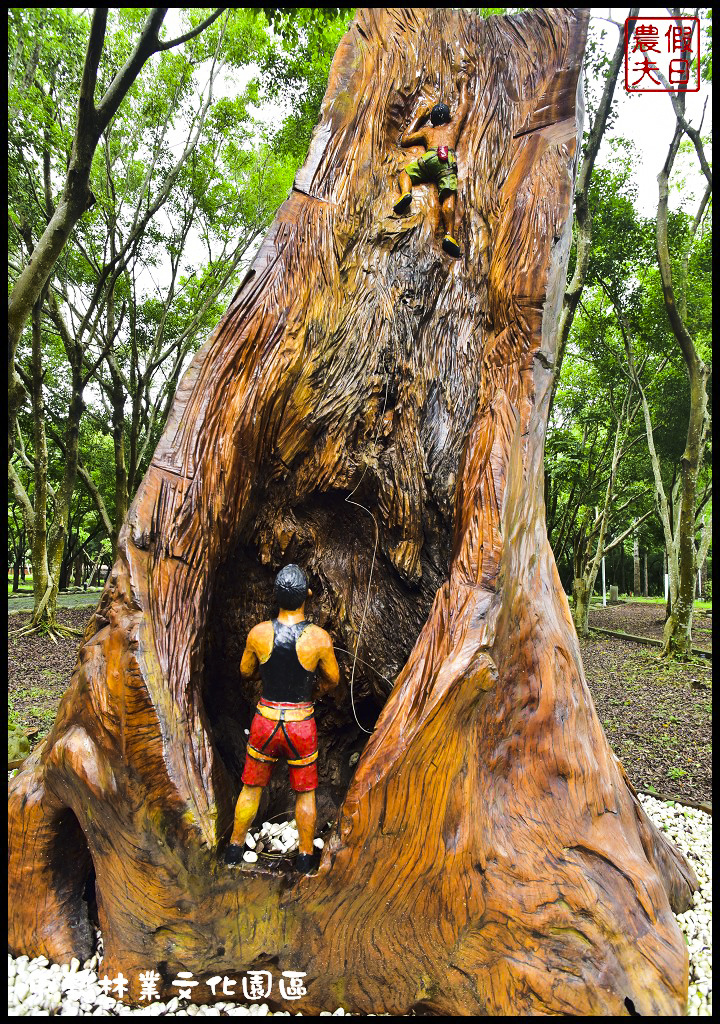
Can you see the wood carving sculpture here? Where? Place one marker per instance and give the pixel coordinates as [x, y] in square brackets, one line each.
[490, 855]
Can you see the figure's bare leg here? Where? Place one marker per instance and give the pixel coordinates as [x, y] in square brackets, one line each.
[448, 214]
[245, 810]
[404, 182]
[305, 816]
[447, 207]
[405, 199]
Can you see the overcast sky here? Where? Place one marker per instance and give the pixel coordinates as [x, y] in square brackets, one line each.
[648, 121]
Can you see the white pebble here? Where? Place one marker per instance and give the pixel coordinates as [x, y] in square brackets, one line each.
[22, 991]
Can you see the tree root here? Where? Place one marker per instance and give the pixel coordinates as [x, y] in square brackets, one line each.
[54, 630]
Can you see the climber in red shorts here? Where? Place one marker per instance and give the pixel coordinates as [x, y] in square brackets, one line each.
[289, 651]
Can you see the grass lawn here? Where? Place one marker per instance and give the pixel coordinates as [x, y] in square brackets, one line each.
[24, 588]
[629, 599]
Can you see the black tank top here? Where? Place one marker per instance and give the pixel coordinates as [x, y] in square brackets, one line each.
[283, 677]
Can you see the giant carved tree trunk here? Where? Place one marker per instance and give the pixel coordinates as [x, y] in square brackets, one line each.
[489, 855]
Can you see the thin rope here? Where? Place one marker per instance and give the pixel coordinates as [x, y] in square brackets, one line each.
[372, 564]
[368, 663]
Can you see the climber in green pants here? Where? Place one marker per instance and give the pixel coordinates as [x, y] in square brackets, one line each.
[439, 163]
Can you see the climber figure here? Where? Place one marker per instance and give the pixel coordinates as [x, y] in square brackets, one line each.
[439, 163]
[288, 650]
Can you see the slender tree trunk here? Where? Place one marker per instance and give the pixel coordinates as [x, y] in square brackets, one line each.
[583, 217]
[489, 855]
[94, 569]
[58, 534]
[623, 585]
[65, 570]
[644, 589]
[117, 399]
[584, 586]
[678, 627]
[581, 605]
[637, 586]
[42, 580]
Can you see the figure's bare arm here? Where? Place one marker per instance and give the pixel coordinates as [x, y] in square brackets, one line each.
[250, 662]
[413, 136]
[465, 103]
[416, 139]
[327, 663]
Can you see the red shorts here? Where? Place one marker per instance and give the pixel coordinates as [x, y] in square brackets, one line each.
[272, 738]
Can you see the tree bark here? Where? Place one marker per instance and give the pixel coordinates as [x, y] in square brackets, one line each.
[490, 855]
[42, 579]
[645, 585]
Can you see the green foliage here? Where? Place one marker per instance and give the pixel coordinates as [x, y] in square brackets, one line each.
[18, 743]
[705, 14]
[184, 183]
[296, 74]
[623, 264]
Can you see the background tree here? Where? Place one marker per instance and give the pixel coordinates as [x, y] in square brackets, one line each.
[593, 490]
[54, 222]
[683, 554]
[137, 287]
[92, 120]
[487, 822]
[602, 70]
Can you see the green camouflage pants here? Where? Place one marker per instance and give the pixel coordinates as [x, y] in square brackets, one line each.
[429, 168]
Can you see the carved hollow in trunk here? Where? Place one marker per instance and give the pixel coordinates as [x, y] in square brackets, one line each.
[490, 856]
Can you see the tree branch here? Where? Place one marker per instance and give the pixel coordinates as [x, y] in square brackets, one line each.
[193, 32]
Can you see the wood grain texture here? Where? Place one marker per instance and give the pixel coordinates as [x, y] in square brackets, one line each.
[490, 855]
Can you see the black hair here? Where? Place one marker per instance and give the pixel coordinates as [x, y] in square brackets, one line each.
[440, 113]
[291, 588]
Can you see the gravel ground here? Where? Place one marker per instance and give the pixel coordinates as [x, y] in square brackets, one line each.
[39, 989]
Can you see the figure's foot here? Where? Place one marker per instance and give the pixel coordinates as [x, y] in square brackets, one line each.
[305, 863]
[234, 854]
[403, 203]
[450, 246]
